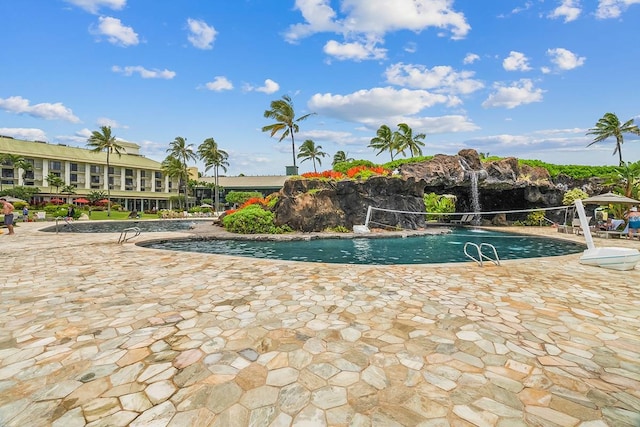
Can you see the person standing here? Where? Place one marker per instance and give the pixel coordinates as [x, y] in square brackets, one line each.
[7, 210]
[634, 222]
[25, 214]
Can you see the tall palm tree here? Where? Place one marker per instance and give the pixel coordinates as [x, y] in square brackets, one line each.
[385, 140]
[55, 181]
[408, 141]
[309, 150]
[173, 168]
[103, 140]
[286, 122]
[12, 160]
[24, 166]
[340, 157]
[216, 158]
[182, 151]
[608, 126]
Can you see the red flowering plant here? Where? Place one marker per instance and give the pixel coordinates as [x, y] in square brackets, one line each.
[329, 174]
[363, 172]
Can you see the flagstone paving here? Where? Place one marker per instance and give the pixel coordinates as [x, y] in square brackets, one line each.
[99, 334]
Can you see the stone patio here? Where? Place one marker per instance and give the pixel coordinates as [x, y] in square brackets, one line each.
[99, 334]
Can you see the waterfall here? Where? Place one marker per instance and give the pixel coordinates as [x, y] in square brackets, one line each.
[475, 193]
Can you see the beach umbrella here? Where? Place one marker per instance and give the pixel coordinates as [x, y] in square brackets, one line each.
[81, 200]
[102, 201]
[57, 201]
[610, 198]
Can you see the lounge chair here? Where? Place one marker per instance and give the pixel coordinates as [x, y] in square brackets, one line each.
[577, 227]
[620, 228]
[465, 219]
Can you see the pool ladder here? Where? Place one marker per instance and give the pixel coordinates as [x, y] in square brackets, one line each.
[124, 234]
[66, 221]
[481, 256]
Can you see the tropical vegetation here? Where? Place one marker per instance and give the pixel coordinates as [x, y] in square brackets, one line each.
[214, 157]
[310, 151]
[609, 126]
[282, 111]
[103, 140]
[182, 152]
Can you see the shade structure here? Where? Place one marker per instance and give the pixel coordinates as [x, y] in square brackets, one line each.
[206, 205]
[56, 201]
[610, 198]
[81, 200]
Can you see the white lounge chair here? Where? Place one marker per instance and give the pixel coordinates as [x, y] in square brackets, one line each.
[465, 219]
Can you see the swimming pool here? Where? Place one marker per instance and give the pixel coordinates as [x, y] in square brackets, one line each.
[146, 226]
[424, 249]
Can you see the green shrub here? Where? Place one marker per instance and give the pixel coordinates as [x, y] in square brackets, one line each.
[345, 166]
[252, 220]
[438, 203]
[573, 171]
[572, 195]
[338, 229]
[535, 218]
[239, 197]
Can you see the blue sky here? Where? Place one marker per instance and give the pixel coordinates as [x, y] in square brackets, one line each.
[509, 77]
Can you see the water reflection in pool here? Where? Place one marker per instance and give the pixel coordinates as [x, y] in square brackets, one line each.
[440, 248]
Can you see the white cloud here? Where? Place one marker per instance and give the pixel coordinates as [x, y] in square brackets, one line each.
[441, 78]
[28, 134]
[219, 84]
[569, 9]
[516, 61]
[470, 58]
[565, 59]
[355, 50]
[104, 121]
[57, 111]
[269, 87]
[375, 19]
[613, 8]
[201, 35]
[144, 73]
[375, 106]
[519, 93]
[93, 6]
[115, 32]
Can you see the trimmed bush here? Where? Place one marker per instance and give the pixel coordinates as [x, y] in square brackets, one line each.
[252, 219]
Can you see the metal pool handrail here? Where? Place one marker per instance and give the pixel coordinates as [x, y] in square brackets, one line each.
[123, 235]
[482, 256]
[58, 218]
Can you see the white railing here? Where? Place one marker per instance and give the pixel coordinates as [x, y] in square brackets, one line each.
[481, 257]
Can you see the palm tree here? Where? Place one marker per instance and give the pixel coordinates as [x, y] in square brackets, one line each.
[627, 177]
[12, 160]
[55, 181]
[609, 126]
[104, 141]
[173, 168]
[385, 141]
[340, 157]
[25, 166]
[182, 151]
[68, 190]
[213, 156]
[407, 140]
[309, 150]
[283, 113]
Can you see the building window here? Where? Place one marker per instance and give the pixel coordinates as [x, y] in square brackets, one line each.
[28, 175]
[95, 169]
[56, 166]
[95, 179]
[128, 172]
[7, 173]
[158, 175]
[111, 170]
[73, 177]
[74, 167]
[142, 174]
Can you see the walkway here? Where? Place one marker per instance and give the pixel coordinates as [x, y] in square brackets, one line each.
[98, 334]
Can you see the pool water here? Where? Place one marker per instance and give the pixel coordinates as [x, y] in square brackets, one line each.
[146, 226]
[440, 248]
